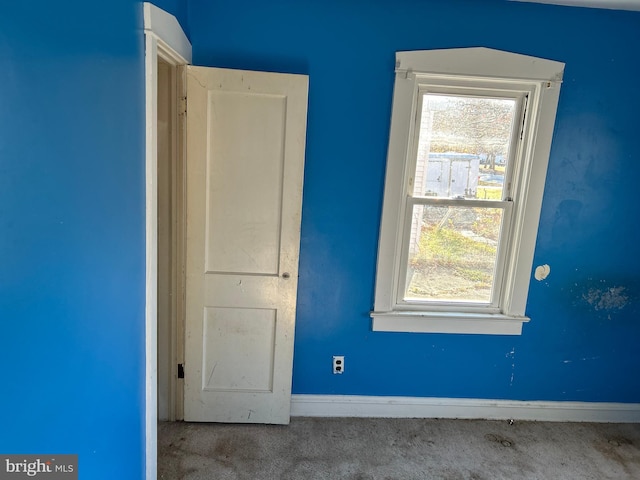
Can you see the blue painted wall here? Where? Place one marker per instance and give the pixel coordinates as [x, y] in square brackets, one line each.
[581, 341]
[72, 233]
[72, 209]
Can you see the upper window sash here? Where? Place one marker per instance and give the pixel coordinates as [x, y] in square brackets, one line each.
[465, 86]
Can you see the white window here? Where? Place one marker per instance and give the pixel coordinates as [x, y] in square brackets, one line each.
[469, 145]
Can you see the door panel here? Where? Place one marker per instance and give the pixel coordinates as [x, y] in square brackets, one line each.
[230, 368]
[247, 152]
[245, 160]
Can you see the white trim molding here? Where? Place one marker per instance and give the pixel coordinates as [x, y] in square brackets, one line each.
[167, 31]
[533, 84]
[462, 408]
[480, 62]
[444, 322]
[164, 38]
[633, 5]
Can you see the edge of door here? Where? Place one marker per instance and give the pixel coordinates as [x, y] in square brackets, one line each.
[178, 244]
[164, 38]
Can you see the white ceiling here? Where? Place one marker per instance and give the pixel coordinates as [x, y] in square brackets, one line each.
[611, 4]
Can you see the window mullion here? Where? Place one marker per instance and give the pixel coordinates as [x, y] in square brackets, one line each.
[454, 202]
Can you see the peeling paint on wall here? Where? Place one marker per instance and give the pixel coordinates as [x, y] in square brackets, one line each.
[613, 298]
[601, 298]
[512, 355]
[542, 272]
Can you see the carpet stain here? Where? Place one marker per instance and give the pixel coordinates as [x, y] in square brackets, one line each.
[504, 441]
[476, 476]
[223, 451]
[619, 441]
[229, 449]
[619, 450]
[361, 476]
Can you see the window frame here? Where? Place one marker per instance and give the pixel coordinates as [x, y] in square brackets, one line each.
[430, 84]
[466, 70]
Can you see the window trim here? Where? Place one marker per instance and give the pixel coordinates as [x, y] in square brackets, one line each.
[461, 67]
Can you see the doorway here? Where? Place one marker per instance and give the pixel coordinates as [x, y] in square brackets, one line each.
[256, 164]
[170, 256]
[227, 277]
[166, 47]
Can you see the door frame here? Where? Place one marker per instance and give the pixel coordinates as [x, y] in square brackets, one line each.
[165, 39]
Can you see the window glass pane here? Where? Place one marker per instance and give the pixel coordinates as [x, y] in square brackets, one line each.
[452, 253]
[463, 146]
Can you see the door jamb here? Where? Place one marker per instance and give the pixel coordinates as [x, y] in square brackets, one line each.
[164, 38]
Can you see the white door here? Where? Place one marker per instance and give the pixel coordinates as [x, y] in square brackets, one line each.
[245, 158]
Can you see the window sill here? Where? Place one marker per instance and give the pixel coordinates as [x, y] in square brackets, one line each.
[444, 322]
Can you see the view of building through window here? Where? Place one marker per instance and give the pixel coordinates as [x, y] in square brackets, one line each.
[463, 151]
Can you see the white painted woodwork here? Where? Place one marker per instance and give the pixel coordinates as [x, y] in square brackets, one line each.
[250, 241]
[468, 408]
[171, 42]
[151, 258]
[165, 310]
[480, 69]
[171, 217]
[245, 160]
[164, 38]
[633, 5]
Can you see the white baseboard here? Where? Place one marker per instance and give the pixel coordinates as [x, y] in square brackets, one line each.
[418, 407]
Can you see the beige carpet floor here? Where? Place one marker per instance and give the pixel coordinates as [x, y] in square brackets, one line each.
[399, 449]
